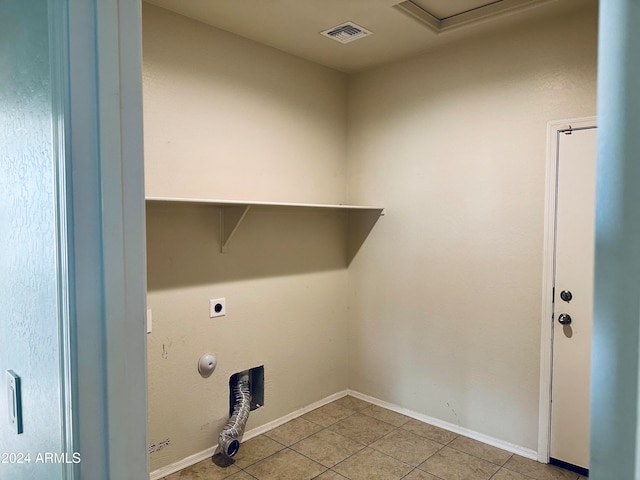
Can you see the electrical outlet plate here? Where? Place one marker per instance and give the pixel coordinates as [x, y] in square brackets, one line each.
[217, 307]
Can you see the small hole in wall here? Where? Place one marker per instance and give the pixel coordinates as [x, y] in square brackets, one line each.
[256, 387]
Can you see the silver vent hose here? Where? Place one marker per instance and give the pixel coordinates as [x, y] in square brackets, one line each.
[229, 439]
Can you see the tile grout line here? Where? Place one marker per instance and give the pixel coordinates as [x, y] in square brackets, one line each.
[445, 445]
[476, 456]
[395, 429]
[420, 470]
[282, 450]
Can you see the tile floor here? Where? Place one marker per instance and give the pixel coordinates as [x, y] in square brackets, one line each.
[355, 440]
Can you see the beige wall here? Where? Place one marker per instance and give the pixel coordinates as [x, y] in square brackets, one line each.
[439, 312]
[284, 280]
[445, 297]
[228, 118]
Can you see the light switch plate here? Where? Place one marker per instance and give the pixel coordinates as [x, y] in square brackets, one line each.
[149, 320]
[14, 397]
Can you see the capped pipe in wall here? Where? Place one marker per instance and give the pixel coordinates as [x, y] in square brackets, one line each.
[207, 364]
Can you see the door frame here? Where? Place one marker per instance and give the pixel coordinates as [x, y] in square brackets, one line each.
[554, 128]
[98, 90]
[58, 61]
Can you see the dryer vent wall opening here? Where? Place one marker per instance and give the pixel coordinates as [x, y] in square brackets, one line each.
[242, 401]
[256, 387]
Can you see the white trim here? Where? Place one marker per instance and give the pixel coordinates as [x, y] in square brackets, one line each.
[481, 437]
[184, 463]
[474, 16]
[548, 273]
[106, 230]
[203, 455]
[255, 203]
[122, 216]
[254, 432]
[58, 61]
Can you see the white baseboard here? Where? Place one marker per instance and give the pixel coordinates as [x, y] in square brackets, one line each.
[248, 435]
[509, 447]
[184, 463]
[209, 452]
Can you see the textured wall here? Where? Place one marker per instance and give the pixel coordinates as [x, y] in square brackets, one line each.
[615, 405]
[446, 293]
[228, 118]
[444, 298]
[284, 280]
[28, 282]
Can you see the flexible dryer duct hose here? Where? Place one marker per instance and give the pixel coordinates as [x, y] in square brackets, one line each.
[229, 439]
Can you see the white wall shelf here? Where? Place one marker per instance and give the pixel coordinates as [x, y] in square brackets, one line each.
[362, 218]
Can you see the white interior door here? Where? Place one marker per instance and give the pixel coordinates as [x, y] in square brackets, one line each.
[575, 241]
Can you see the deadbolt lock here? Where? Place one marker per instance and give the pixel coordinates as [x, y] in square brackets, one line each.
[566, 295]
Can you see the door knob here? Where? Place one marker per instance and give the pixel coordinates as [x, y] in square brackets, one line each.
[564, 319]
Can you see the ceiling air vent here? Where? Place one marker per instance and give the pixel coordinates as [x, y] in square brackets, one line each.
[346, 32]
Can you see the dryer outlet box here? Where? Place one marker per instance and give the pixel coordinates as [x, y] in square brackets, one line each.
[217, 307]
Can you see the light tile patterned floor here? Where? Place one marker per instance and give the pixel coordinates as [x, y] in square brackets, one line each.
[352, 439]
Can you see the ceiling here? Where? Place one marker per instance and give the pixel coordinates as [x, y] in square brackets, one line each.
[400, 28]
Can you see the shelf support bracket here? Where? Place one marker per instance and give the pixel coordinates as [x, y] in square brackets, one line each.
[230, 219]
[360, 224]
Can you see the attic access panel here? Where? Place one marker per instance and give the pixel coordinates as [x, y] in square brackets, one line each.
[442, 15]
[443, 9]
